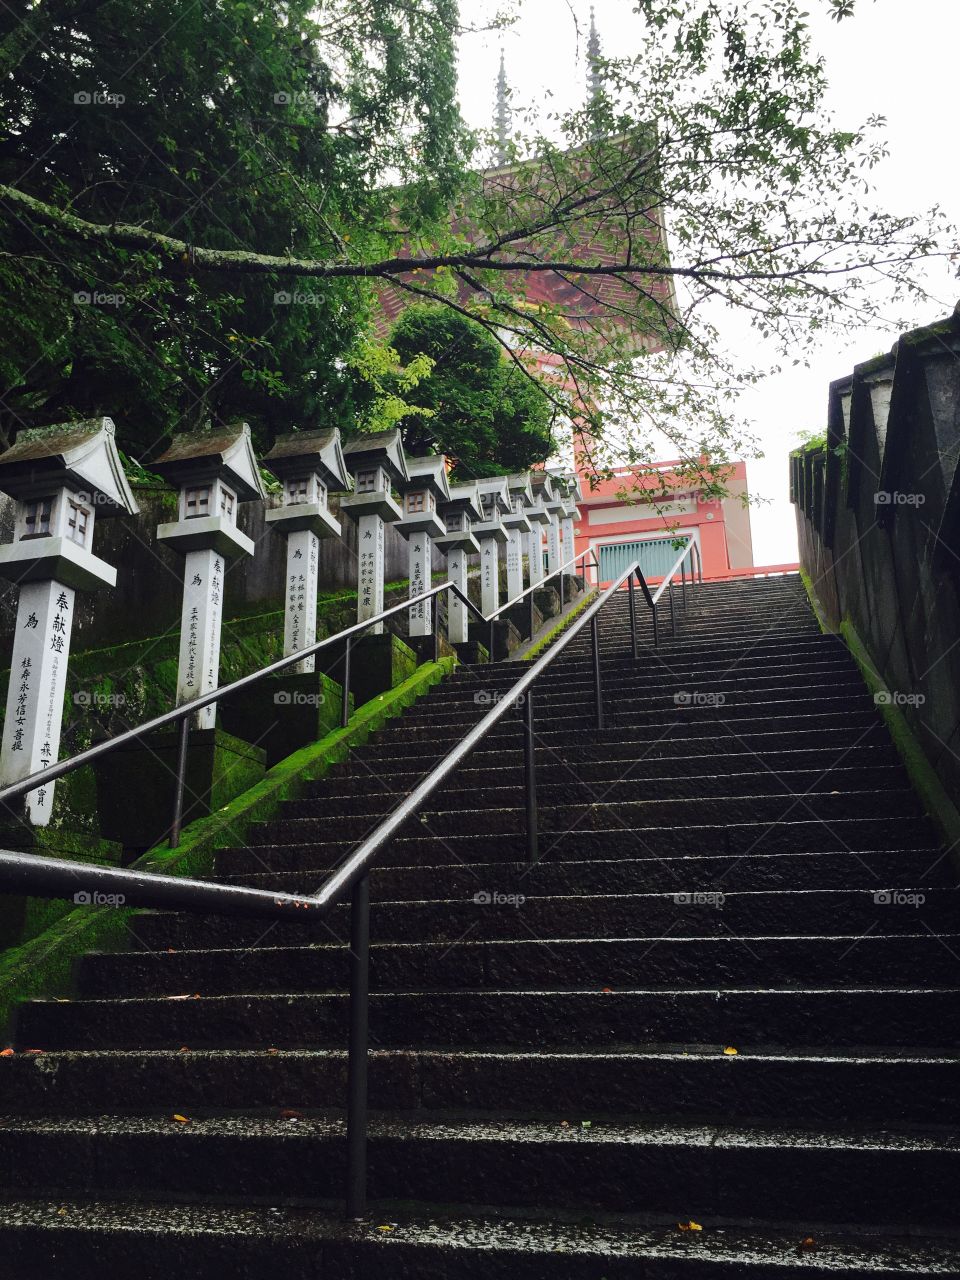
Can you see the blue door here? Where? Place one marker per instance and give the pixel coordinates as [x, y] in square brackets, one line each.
[656, 556]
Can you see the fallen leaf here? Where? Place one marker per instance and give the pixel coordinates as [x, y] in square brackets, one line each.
[586, 1124]
[181, 1119]
[33, 1051]
[6, 1053]
[273, 1051]
[689, 1226]
[184, 1049]
[171, 951]
[730, 1051]
[807, 1242]
[607, 991]
[387, 1226]
[290, 1115]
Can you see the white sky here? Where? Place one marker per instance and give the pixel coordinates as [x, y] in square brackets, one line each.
[893, 59]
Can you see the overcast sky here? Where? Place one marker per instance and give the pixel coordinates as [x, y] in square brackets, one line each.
[893, 59]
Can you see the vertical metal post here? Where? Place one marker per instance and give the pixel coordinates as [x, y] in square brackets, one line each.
[436, 628]
[181, 778]
[530, 780]
[656, 633]
[673, 611]
[561, 590]
[492, 639]
[345, 706]
[357, 1061]
[633, 619]
[597, 686]
[683, 583]
[532, 607]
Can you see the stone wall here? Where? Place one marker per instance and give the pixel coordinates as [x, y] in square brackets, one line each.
[878, 511]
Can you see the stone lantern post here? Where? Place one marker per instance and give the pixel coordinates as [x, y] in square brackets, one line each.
[539, 519]
[425, 489]
[518, 526]
[309, 464]
[491, 535]
[459, 513]
[572, 494]
[61, 477]
[215, 471]
[377, 463]
[554, 505]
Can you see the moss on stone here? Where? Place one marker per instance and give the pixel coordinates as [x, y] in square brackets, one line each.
[43, 966]
[923, 776]
[536, 650]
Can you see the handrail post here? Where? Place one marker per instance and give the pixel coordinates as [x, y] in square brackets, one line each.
[597, 685]
[345, 705]
[683, 584]
[633, 619]
[530, 780]
[357, 1061]
[562, 601]
[656, 632]
[532, 607]
[436, 629]
[492, 638]
[180, 782]
[673, 612]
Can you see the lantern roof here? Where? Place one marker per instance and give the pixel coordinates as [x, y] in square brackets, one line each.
[297, 451]
[429, 472]
[377, 449]
[79, 455]
[221, 453]
[466, 497]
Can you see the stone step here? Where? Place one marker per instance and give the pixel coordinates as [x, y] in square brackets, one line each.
[207, 1242]
[591, 816]
[888, 1088]
[843, 870]
[834, 743]
[848, 959]
[377, 793]
[886, 910]
[828, 764]
[748, 1019]
[789, 835]
[665, 1171]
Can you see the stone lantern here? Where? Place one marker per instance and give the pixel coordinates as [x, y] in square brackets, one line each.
[491, 534]
[309, 465]
[377, 463]
[425, 490]
[517, 524]
[572, 495]
[539, 519]
[554, 505]
[215, 471]
[61, 478]
[460, 513]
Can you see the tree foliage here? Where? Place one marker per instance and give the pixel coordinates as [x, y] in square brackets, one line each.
[271, 126]
[475, 405]
[712, 128]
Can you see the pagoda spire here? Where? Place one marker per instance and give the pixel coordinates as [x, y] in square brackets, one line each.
[501, 115]
[594, 83]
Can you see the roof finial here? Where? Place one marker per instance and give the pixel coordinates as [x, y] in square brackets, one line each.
[594, 84]
[501, 115]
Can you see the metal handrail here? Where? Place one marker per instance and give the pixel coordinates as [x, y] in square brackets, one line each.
[183, 712]
[54, 877]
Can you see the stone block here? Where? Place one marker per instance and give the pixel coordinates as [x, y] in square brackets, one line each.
[519, 615]
[506, 637]
[285, 712]
[21, 917]
[135, 784]
[547, 600]
[472, 652]
[377, 663]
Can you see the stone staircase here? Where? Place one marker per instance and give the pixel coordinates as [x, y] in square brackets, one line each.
[716, 1037]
